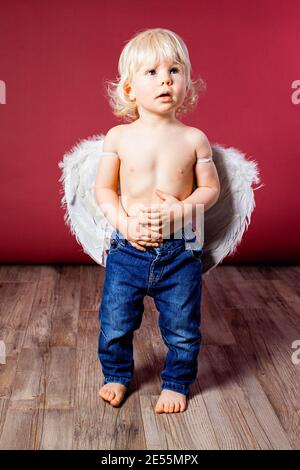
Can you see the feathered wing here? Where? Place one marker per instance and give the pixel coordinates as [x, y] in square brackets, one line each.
[83, 215]
[224, 223]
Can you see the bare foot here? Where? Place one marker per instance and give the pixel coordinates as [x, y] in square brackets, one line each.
[170, 402]
[113, 392]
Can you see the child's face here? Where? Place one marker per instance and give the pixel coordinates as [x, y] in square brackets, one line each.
[149, 82]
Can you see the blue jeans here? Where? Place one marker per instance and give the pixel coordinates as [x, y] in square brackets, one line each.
[172, 276]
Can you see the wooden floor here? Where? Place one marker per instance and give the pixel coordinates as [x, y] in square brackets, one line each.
[246, 395]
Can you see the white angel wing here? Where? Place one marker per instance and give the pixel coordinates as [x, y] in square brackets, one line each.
[224, 223]
[83, 215]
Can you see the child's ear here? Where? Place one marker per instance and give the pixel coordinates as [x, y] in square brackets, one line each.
[127, 89]
[129, 94]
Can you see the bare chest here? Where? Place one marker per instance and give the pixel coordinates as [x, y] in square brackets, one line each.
[172, 157]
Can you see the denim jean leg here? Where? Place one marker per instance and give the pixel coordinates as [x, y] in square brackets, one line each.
[177, 297]
[120, 313]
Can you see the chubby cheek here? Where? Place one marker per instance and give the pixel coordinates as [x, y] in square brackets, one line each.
[181, 87]
[144, 93]
[149, 94]
[183, 93]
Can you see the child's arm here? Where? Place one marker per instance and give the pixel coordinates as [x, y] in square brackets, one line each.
[208, 184]
[106, 185]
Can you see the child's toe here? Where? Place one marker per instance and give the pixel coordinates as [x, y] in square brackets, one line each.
[159, 408]
[106, 394]
[182, 407]
[117, 399]
[166, 407]
[177, 407]
[110, 395]
[171, 407]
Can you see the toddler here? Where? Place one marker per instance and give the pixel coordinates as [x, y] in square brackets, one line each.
[155, 159]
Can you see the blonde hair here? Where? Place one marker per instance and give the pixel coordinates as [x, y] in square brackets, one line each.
[157, 44]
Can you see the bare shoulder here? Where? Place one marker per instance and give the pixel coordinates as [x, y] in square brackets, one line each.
[199, 141]
[112, 138]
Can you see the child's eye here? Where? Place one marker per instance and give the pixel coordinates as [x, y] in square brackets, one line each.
[153, 70]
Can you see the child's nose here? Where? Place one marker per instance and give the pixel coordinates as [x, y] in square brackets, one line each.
[166, 80]
[165, 77]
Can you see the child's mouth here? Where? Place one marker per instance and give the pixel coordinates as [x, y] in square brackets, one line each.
[165, 97]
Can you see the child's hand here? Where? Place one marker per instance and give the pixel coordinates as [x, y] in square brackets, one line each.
[144, 229]
[171, 212]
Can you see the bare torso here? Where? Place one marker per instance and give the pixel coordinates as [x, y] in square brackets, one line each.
[153, 159]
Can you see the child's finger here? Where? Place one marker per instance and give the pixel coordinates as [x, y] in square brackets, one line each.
[136, 245]
[155, 231]
[152, 243]
[154, 218]
[151, 223]
[155, 227]
[153, 208]
[150, 236]
[145, 243]
[153, 215]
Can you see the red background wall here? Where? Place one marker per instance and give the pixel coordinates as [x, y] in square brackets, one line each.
[54, 58]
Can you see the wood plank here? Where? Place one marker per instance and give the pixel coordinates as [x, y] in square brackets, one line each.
[15, 313]
[179, 431]
[19, 430]
[15, 310]
[290, 275]
[66, 309]
[91, 285]
[227, 432]
[60, 378]
[254, 420]
[7, 376]
[154, 426]
[3, 410]
[256, 272]
[253, 294]
[89, 409]
[28, 386]
[16, 273]
[268, 355]
[40, 322]
[220, 272]
[214, 328]
[57, 430]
